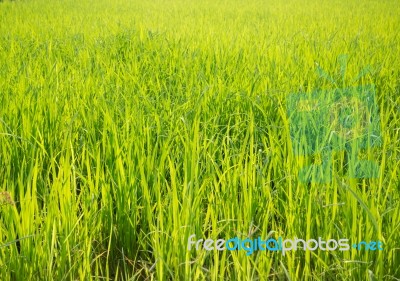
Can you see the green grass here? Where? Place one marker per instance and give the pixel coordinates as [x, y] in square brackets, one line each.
[126, 126]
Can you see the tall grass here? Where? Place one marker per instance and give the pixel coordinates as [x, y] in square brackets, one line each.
[126, 126]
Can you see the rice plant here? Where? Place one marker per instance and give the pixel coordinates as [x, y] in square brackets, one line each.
[128, 126]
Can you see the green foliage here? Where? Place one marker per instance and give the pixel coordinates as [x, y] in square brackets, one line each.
[126, 126]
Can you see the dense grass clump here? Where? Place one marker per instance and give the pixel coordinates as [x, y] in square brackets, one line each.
[127, 126]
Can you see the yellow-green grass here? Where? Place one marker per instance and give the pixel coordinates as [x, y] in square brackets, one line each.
[126, 126]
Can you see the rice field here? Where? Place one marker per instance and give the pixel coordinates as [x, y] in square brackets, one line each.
[128, 126]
